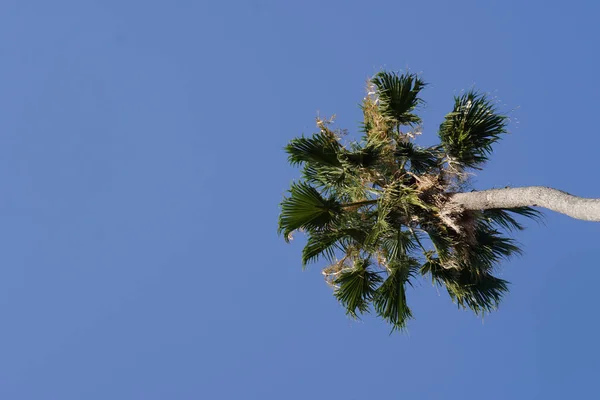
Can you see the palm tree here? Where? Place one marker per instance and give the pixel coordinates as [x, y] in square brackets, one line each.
[383, 211]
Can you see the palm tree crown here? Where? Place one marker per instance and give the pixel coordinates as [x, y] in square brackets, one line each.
[373, 208]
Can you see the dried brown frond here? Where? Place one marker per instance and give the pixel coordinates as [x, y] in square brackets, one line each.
[456, 176]
[450, 214]
[380, 127]
[468, 224]
[428, 182]
[462, 222]
[431, 188]
[382, 261]
[416, 131]
[323, 123]
[332, 271]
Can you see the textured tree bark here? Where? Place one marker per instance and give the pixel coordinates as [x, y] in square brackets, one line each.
[536, 196]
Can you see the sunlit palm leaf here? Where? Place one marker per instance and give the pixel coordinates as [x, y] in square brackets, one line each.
[356, 287]
[470, 130]
[397, 244]
[320, 148]
[324, 243]
[306, 209]
[390, 298]
[399, 96]
[325, 176]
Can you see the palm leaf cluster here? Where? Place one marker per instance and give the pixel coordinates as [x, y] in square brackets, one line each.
[372, 208]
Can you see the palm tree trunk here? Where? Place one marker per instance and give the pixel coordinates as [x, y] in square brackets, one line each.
[536, 196]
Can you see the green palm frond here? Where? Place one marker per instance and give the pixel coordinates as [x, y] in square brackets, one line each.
[434, 267]
[332, 168]
[393, 208]
[478, 254]
[422, 160]
[321, 148]
[363, 156]
[397, 244]
[401, 197]
[325, 176]
[390, 298]
[324, 243]
[442, 241]
[306, 209]
[503, 218]
[320, 244]
[489, 249]
[470, 130]
[377, 230]
[481, 294]
[399, 96]
[356, 287]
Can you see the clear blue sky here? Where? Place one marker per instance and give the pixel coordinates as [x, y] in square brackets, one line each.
[140, 175]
